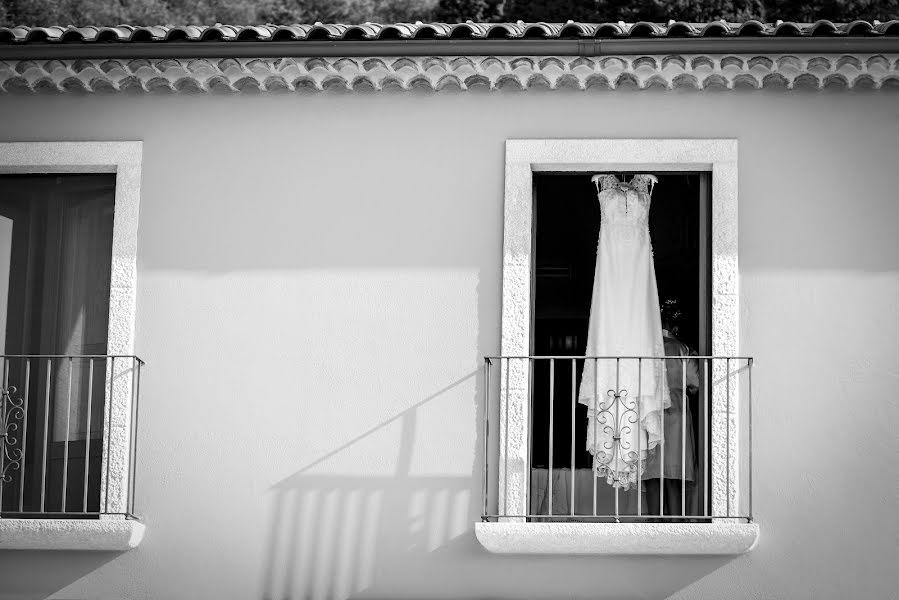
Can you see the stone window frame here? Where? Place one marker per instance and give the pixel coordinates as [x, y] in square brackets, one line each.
[112, 531]
[524, 157]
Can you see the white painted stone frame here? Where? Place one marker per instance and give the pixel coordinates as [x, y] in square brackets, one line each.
[123, 159]
[523, 158]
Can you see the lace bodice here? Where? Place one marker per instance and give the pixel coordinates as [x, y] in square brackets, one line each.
[625, 203]
[639, 182]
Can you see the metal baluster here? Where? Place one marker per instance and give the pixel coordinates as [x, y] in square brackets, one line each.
[486, 430]
[549, 469]
[108, 425]
[135, 395]
[706, 416]
[749, 408]
[727, 429]
[616, 433]
[24, 435]
[595, 407]
[640, 435]
[65, 453]
[46, 440]
[506, 466]
[661, 372]
[573, 407]
[683, 439]
[532, 366]
[87, 438]
[3, 446]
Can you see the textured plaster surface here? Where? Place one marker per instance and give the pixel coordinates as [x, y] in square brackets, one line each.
[525, 156]
[370, 74]
[123, 159]
[70, 534]
[618, 538]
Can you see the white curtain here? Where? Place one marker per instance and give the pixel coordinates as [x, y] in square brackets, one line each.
[81, 309]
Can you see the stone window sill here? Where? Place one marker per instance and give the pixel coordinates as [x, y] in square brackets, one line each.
[70, 534]
[618, 538]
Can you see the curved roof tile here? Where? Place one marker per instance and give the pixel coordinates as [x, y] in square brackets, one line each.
[609, 30]
[788, 29]
[177, 34]
[426, 32]
[492, 73]
[541, 31]
[645, 29]
[43, 34]
[500, 31]
[254, 34]
[419, 30]
[889, 28]
[572, 29]
[716, 29]
[680, 29]
[752, 28]
[141, 34]
[858, 28]
[823, 27]
[288, 33]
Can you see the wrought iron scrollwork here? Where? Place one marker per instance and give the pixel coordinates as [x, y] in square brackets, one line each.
[11, 411]
[616, 458]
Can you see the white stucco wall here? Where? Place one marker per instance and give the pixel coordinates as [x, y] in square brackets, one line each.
[319, 277]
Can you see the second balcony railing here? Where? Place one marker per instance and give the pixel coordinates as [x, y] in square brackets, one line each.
[68, 427]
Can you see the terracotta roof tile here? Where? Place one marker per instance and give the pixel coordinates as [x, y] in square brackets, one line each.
[419, 30]
[241, 75]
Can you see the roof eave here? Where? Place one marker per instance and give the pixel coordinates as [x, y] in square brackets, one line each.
[498, 47]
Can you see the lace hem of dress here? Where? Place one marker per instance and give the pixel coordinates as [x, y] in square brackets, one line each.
[623, 480]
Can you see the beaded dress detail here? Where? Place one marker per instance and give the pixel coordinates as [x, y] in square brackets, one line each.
[624, 397]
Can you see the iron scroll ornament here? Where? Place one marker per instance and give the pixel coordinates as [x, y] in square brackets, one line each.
[617, 460]
[11, 411]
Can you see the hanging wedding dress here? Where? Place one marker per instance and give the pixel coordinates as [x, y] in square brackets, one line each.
[625, 397]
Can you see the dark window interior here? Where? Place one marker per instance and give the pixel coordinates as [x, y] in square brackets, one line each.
[566, 226]
[58, 232]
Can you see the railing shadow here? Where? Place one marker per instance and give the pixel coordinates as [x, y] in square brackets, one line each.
[330, 536]
[405, 535]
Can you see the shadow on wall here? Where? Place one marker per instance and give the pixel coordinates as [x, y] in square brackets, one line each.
[57, 570]
[337, 537]
[333, 536]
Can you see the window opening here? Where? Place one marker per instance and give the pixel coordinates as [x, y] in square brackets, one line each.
[566, 226]
[55, 267]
